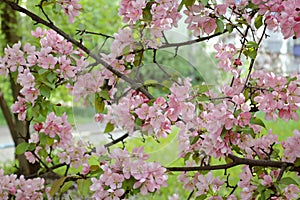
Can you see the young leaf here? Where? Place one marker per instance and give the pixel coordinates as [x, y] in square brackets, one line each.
[66, 186]
[109, 127]
[258, 21]
[84, 186]
[57, 185]
[99, 104]
[220, 26]
[288, 181]
[104, 94]
[22, 148]
[257, 121]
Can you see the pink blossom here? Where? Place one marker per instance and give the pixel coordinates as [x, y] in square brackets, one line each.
[291, 147]
[71, 8]
[19, 107]
[99, 117]
[291, 191]
[85, 169]
[267, 180]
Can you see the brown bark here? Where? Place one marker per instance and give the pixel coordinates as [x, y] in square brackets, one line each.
[19, 129]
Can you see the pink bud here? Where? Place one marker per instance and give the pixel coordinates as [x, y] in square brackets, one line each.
[38, 127]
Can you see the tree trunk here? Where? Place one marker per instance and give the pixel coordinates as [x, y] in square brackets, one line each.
[19, 129]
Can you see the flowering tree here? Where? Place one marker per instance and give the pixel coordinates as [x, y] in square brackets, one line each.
[219, 129]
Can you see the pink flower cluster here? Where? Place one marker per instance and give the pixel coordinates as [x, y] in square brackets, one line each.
[245, 183]
[56, 55]
[277, 96]
[132, 10]
[291, 147]
[155, 117]
[225, 55]
[202, 184]
[250, 189]
[157, 16]
[164, 17]
[260, 147]
[121, 114]
[125, 167]
[70, 7]
[199, 20]
[283, 14]
[20, 188]
[60, 130]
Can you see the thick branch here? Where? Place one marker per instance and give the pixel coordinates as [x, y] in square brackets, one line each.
[7, 114]
[34, 17]
[238, 161]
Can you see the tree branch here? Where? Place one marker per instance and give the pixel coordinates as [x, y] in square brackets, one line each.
[190, 42]
[7, 114]
[238, 161]
[120, 139]
[34, 17]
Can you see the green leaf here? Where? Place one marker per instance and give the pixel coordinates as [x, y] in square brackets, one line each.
[48, 2]
[138, 122]
[109, 127]
[204, 2]
[201, 197]
[187, 156]
[180, 5]
[257, 121]
[31, 147]
[252, 54]
[193, 140]
[150, 82]
[45, 91]
[252, 44]
[187, 3]
[138, 58]
[248, 130]
[258, 21]
[99, 104]
[94, 168]
[57, 185]
[51, 77]
[147, 16]
[229, 27]
[297, 162]
[202, 98]
[43, 138]
[202, 88]
[42, 71]
[66, 186]
[84, 186]
[49, 84]
[288, 181]
[104, 94]
[22, 148]
[220, 26]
